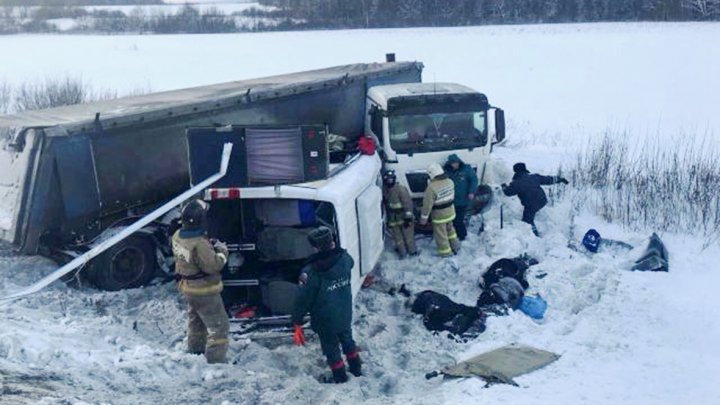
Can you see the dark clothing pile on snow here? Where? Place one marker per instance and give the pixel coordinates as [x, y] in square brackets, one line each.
[507, 291]
[325, 292]
[654, 258]
[440, 313]
[506, 267]
[504, 283]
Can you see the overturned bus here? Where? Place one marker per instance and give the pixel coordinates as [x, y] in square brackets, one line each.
[278, 188]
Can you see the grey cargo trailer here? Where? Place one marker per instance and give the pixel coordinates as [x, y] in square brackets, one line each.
[67, 174]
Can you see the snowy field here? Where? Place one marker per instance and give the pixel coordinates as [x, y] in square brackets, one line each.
[624, 337]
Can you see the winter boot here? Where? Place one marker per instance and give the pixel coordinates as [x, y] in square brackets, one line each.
[355, 365]
[339, 375]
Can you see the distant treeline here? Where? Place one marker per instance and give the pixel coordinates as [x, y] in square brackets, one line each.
[67, 3]
[186, 20]
[329, 14]
[405, 13]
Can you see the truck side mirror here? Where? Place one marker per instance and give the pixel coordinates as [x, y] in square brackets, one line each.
[499, 125]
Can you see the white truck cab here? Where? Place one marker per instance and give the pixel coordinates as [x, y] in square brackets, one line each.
[417, 124]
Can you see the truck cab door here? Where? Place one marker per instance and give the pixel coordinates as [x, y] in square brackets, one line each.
[370, 227]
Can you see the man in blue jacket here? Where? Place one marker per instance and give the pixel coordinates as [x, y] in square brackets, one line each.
[527, 187]
[326, 293]
[466, 182]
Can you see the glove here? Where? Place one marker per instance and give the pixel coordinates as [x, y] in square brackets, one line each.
[299, 336]
[220, 247]
[407, 221]
[563, 180]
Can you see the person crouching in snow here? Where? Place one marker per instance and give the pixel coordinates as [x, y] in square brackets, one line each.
[527, 187]
[400, 218]
[326, 293]
[198, 264]
[438, 201]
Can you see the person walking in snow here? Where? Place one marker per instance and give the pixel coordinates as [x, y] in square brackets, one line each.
[400, 218]
[527, 187]
[466, 182]
[438, 202]
[198, 264]
[326, 293]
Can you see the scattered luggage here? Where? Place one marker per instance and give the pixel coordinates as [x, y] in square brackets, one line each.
[533, 306]
[593, 242]
[655, 257]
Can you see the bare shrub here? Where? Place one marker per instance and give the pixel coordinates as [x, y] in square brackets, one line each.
[50, 93]
[659, 186]
[5, 97]
[55, 93]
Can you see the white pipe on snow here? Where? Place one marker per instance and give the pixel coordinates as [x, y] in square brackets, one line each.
[101, 247]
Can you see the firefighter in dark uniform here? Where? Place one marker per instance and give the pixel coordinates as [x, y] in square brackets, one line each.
[326, 293]
[526, 186]
[400, 218]
[198, 264]
[466, 182]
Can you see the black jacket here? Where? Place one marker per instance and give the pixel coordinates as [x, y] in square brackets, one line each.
[527, 187]
[325, 292]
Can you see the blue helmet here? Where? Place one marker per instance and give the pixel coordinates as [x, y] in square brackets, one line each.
[591, 240]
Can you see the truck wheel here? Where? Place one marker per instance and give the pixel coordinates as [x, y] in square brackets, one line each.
[129, 264]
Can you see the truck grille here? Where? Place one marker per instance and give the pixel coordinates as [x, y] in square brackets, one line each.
[417, 181]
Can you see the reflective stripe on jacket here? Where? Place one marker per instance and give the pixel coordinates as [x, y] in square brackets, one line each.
[438, 200]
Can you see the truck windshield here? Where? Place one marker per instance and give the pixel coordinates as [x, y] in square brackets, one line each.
[437, 132]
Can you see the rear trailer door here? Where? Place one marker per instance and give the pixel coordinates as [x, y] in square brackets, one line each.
[370, 227]
[261, 155]
[17, 171]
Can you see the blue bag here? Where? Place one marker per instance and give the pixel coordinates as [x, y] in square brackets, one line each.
[591, 240]
[533, 306]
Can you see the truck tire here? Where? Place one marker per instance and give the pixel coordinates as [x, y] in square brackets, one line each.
[129, 264]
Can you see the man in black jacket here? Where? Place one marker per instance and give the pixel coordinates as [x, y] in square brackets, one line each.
[326, 293]
[527, 187]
